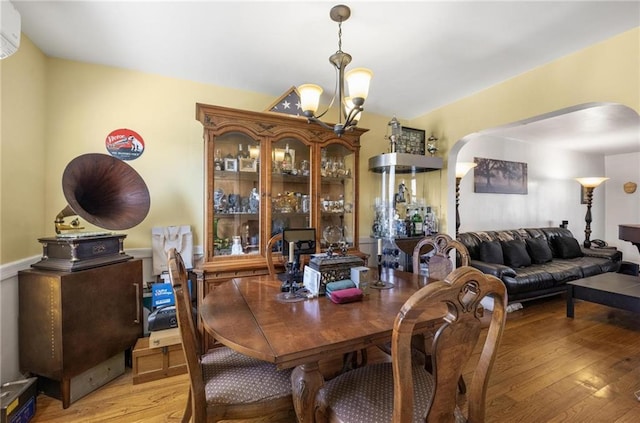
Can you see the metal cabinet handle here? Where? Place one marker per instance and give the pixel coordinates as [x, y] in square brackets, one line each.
[137, 319]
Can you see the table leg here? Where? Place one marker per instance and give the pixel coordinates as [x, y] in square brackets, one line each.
[306, 381]
[570, 301]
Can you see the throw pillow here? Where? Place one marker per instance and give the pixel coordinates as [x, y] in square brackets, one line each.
[491, 252]
[515, 253]
[567, 247]
[539, 250]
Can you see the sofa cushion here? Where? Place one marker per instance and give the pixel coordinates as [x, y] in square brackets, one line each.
[528, 279]
[491, 252]
[515, 253]
[567, 247]
[539, 250]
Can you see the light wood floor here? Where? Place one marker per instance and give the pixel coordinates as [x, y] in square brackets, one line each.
[549, 369]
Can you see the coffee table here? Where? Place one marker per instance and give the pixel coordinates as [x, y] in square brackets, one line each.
[611, 289]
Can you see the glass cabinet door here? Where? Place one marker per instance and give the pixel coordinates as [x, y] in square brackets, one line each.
[235, 196]
[337, 191]
[290, 186]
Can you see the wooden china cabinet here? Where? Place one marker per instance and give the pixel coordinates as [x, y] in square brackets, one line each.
[266, 172]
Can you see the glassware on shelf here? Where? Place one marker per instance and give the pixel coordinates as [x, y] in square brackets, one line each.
[254, 201]
[304, 167]
[333, 236]
[236, 247]
[287, 161]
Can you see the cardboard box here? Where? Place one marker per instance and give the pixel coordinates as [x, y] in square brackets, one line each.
[18, 401]
[156, 363]
[361, 276]
[166, 337]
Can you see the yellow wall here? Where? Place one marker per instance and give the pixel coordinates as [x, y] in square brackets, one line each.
[73, 112]
[605, 72]
[54, 110]
[23, 161]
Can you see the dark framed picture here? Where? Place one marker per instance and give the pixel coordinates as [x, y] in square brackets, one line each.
[230, 165]
[247, 165]
[412, 141]
[499, 176]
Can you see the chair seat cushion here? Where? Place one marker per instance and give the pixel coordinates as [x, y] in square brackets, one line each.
[366, 394]
[233, 378]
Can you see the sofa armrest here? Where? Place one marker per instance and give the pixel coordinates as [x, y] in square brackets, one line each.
[497, 270]
[610, 253]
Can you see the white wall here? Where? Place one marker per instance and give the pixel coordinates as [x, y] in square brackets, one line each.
[622, 208]
[553, 194]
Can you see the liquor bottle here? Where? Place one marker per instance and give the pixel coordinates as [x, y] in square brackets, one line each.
[428, 222]
[434, 222]
[286, 162]
[417, 223]
[426, 226]
[409, 224]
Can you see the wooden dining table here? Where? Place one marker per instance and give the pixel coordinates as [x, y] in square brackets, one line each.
[246, 315]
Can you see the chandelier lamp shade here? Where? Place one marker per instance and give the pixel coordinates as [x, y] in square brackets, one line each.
[589, 185]
[461, 170]
[357, 83]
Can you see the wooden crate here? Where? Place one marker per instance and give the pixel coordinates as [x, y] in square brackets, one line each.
[157, 363]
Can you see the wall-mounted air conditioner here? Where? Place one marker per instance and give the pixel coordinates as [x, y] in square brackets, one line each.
[9, 29]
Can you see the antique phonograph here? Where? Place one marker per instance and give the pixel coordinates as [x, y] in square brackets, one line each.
[106, 192]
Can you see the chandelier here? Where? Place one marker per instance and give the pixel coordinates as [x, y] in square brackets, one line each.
[357, 80]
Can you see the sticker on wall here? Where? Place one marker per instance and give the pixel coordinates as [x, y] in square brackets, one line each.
[124, 144]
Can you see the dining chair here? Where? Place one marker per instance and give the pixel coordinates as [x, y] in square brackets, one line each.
[224, 384]
[402, 391]
[270, 244]
[439, 265]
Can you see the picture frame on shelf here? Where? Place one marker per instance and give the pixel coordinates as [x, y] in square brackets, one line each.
[230, 165]
[247, 165]
[412, 141]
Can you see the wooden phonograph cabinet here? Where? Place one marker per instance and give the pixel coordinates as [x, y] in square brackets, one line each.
[71, 322]
[80, 305]
[266, 171]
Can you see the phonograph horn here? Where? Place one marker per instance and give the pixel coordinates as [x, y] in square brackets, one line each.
[103, 190]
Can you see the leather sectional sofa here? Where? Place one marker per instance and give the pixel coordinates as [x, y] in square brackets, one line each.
[536, 262]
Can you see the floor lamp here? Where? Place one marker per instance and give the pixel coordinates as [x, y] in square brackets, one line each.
[461, 169]
[589, 184]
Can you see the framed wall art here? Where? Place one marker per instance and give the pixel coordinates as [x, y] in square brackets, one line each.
[499, 176]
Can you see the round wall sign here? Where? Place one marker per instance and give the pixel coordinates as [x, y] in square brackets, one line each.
[124, 144]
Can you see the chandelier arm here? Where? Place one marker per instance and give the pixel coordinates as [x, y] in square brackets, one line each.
[333, 99]
[319, 122]
[352, 114]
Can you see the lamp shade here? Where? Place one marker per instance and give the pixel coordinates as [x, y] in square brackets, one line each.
[463, 167]
[309, 97]
[591, 182]
[358, 80]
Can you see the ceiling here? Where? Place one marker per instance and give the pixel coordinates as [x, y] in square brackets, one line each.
[424, 54]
